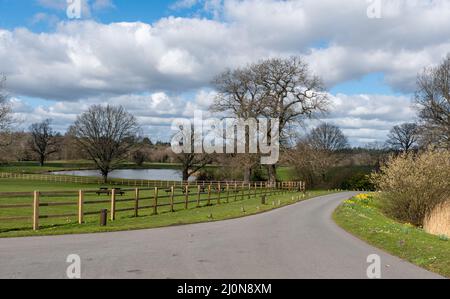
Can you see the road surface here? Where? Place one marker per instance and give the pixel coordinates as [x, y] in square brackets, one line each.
[299, 241]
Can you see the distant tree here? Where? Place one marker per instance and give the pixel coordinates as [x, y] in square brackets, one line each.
[147, 141]
[43, 140]
[433, 99]
[6, 115]
[190, 161]
[106, 134]
[403, 137]
[139, 157]
[327, 138]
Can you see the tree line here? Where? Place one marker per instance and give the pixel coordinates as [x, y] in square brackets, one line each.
[282, 88]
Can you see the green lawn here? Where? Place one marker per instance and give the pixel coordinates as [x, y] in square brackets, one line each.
[363, 218]
[238, 206]
[285, 173]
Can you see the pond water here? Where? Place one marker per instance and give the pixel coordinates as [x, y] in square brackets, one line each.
[132, 174]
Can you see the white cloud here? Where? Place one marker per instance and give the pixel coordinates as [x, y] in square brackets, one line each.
[183, 4]
[86, 58]
[150, 65]
[363, 118]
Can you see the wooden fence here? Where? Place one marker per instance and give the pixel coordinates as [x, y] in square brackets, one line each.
[153, 199]
[67, 179]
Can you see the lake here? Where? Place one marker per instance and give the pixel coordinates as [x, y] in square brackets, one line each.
[132, 174]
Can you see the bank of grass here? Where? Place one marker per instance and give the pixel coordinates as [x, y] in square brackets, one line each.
[126, 220]
[362, 217]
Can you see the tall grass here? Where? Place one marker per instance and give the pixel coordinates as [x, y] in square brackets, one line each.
[438, 221]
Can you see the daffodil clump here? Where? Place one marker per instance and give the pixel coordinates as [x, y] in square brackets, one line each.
[363, 200]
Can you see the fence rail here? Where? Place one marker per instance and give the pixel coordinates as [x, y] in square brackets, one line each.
[67, 179]
[139, 198]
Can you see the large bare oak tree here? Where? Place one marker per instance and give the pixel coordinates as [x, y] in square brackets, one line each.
[43, 140]
[106, 134]
[282, 88]
[433, 99]
[404, 137]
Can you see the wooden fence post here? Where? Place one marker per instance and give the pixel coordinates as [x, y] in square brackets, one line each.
[113, 204]
[186, 199]
[172, 194]
[219, 194]
[243, 192]
[155, 207]
[199, 191]
[136, 202]
[228, 193]
[235, 192]
[80, 207]
[36, 211]
[209, 195]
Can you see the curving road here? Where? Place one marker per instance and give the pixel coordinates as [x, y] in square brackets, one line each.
[299, 241]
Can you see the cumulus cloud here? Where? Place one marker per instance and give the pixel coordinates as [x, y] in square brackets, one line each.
[363, 118]
[153, 110]
[86, 58]
[151, 65]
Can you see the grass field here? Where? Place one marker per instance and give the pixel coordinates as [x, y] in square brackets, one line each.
[238, 206]
[363, 218]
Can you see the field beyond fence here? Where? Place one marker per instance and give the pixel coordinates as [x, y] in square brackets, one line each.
[26, 210]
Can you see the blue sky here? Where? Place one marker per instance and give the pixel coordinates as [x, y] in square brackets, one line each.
[18, 13]
[56, 67]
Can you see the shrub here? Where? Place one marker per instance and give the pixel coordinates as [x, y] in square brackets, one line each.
[414, 185]
[359, 181]
[139, 157]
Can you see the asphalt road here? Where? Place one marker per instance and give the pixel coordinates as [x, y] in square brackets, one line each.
[299, 241]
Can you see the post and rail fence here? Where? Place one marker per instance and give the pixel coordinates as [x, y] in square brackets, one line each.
[76, 204]
[82, 180]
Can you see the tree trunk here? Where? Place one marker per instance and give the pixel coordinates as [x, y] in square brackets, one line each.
[185, 175]
[105, 177]
[41, 160]
[247, 174]
[272, 173]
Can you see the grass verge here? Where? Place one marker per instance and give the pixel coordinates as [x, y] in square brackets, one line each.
[362, 217]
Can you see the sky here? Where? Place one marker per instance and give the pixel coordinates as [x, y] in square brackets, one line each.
[157, 58]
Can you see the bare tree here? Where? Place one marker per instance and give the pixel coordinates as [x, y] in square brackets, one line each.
[241, 96]
[43, 140]
[6, 116]
[273, 88]
[190, 161]
[106, 134]
[327, 138]
[433, 99]
[403, 137]
[310, 165]
[139, 157]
